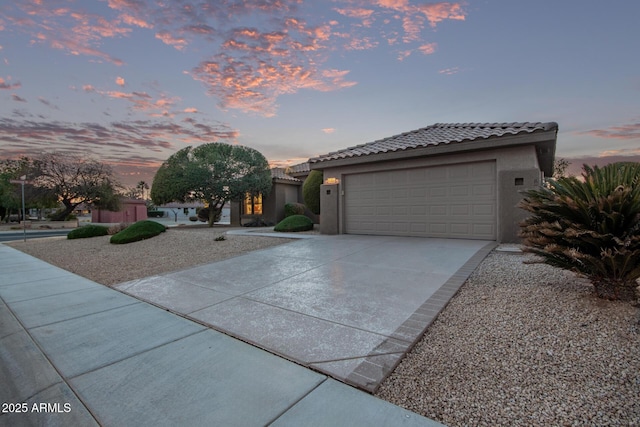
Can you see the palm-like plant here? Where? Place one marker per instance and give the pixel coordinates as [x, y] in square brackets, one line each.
[590, 226]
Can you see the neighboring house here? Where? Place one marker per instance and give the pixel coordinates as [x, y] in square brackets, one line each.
[131, 210]
[287, 188]
[445, 180]
[180, 212]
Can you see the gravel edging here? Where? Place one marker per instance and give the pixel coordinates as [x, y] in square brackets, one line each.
[524, 344]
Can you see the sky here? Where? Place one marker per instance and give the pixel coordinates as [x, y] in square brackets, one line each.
[130, 82]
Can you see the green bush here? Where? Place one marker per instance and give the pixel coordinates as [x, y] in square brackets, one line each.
[293, 209]
[138, 231]
[590, 226]
[311, 191]
[88, 231]
[155, 214]
[294, 223]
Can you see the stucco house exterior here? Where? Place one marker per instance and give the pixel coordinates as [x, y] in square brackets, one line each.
[459, 180]
[287, 188]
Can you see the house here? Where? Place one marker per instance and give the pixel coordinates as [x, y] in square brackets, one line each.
[460, 180]
[269, 209]
[185, 211]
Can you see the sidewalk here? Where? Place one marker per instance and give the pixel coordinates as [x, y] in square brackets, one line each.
[86, 354]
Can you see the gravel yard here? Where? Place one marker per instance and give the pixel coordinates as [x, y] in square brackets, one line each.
[175, 249]
[522, 343]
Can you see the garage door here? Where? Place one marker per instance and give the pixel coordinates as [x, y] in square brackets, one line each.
[452, 201]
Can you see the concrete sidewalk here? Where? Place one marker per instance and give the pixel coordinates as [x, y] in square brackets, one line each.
[76, 353]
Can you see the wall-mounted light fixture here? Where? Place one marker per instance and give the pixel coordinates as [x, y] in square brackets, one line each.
[332, 181]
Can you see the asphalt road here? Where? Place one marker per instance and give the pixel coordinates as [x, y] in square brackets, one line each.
[7, 236]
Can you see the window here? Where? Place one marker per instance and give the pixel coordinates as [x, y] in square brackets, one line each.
[253, 204]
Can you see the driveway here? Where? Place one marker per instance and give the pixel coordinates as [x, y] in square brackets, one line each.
[348, 306]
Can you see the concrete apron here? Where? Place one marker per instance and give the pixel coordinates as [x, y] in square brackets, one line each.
[347, 306]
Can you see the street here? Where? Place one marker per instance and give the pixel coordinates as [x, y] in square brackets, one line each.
[7, 236]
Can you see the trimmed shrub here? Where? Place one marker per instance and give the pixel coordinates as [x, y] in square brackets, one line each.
[311, 191]
[590, 226]
[155, 214]
[88, 231]
[293, 209]
[140, 230]
[294, 223]
[193, 218]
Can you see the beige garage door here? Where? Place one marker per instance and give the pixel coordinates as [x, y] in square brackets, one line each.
[452, 201]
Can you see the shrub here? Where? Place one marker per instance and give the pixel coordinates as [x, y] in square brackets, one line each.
[155, 214]
[590, 226]
[294, 223]
[203, 215]
[193, 218]
[311, 191]
[138, 231]
[88, 231]
[293, 209]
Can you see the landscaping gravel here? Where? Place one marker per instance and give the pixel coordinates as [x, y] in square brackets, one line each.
[521, 344]
[177, 248]
[524, 344]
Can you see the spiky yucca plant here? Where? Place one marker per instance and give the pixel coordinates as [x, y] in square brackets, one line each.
[590, 226]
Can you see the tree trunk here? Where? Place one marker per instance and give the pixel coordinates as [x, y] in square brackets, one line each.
[68, 208]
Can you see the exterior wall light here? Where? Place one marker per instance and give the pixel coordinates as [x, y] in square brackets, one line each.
[332, 181]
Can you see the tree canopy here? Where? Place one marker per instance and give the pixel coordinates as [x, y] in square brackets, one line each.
[214, 173]
[74, 180]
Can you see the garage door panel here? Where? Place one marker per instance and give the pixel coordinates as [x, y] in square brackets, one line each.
[441, 201]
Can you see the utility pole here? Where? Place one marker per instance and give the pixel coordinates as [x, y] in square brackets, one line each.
[22, 181]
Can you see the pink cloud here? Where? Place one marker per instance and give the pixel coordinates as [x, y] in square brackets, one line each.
[120, 81]
[5, 85]
[259, 50]
[628, 131]
[438, 12]
[328, 130]
[167, 38]
[449, 71]
[428, 48]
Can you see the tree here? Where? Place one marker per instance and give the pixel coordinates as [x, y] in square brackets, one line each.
[214, 173]
[590, 226]
[75, 180]
[10, 197]
[141, 187]
[311, 191]
[560, 166]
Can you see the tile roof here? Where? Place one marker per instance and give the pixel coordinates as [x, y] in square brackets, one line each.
[279, 173]
[299, 168]
[439, 133]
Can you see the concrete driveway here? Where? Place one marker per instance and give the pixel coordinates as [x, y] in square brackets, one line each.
[348, 306]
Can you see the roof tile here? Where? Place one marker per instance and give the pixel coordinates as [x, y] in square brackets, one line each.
[439, 133]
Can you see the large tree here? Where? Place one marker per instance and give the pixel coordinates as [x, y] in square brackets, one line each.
[214, 173]
[10, 193]
[74, 180]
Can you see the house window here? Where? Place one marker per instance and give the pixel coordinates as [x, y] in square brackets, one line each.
[253, 204]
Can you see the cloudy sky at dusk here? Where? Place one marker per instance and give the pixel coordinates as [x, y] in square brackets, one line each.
[130, 82]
